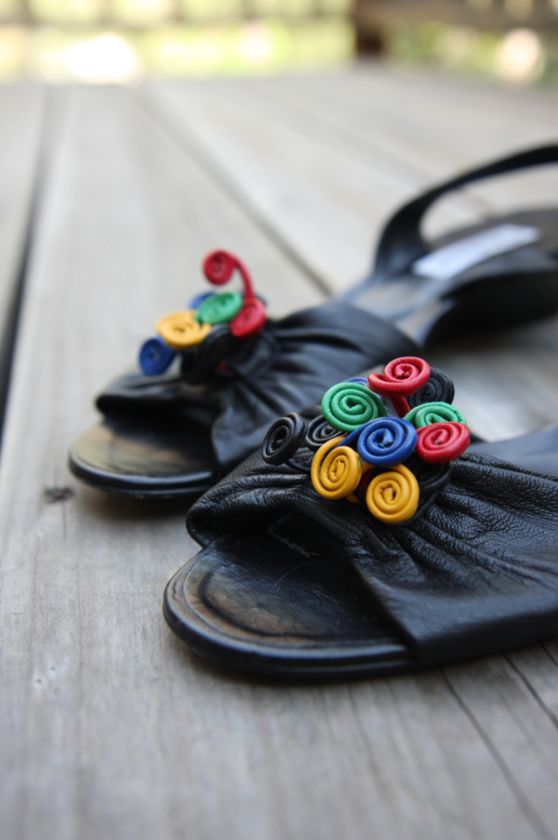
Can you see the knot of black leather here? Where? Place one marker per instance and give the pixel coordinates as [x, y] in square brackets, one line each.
[221, 355]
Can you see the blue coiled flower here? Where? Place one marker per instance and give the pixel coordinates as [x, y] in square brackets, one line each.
[155, 356]
[384, 442]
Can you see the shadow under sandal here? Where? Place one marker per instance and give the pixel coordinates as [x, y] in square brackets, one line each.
[371, 537]
[216, 374]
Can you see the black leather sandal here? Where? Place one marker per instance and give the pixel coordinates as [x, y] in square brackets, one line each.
[175, 433]
[344, 549]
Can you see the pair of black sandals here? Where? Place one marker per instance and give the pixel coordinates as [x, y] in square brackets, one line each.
[364, 531]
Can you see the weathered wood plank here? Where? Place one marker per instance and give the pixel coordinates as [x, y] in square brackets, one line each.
[341, 153]
[477, 121]
[21, 107]
[124, 222]
[323, 203]
[111, 728]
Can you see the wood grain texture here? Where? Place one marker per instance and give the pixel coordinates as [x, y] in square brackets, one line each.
[109, 727]
[325, 160]
[478, 122]
[323, 203]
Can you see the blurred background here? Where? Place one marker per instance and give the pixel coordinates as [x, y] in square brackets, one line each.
[124, 40]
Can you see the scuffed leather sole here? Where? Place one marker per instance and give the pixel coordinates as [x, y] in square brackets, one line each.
[151, 460]
[260, 606]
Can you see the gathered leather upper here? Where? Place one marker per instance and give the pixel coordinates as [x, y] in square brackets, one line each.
[477, 565]
[286, 367]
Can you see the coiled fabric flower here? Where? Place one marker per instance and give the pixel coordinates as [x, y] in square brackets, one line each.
[393, 496]
[434, 412]
[439, 443]
[283, 438]
[439, 388]
[401, 377]
[180, 330]
[243, 313]
[219, 308]
[349, 405]
[155, 356]
[387, 463]
[250, 320]
[336, 470]
[319, 431]
[384, 442]
[250, 317]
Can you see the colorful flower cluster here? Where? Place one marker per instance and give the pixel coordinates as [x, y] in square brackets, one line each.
[216, 319]
[384, 421]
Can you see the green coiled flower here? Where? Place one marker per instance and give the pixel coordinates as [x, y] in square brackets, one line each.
[348, 405]
[219, 308]
[434, 412]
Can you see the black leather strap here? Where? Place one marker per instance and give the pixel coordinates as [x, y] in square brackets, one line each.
[401, 241]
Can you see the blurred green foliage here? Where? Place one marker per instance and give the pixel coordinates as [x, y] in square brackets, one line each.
[521, 55]
[122, 40]
[157, 11]
[119, 40]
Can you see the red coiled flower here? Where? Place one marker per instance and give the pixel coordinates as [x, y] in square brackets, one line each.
[401, 378]
[439, 443]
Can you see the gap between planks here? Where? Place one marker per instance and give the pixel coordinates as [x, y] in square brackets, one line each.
[23, 108]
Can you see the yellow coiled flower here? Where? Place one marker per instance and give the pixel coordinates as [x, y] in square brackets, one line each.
[393, 496]
[180, 330]
[336, 470]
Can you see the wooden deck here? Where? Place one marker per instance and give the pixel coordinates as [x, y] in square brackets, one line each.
[108, 199]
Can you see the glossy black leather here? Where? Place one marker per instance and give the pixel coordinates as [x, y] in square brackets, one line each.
[475, 572]
[287, 367]
[402, 241]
